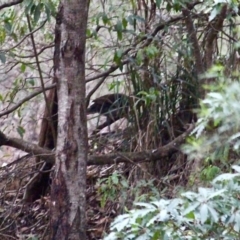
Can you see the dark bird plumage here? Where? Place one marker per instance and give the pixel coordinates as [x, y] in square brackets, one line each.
[112, 106]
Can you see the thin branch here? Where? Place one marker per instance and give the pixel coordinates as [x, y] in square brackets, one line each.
[5, 5]
[149, 38]
[26, 36]
[30, 56]
[96, 31]
[105, 74]
[41, 80]
[148, 41]
[32, 95]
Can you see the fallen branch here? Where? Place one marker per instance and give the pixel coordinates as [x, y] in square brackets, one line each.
[113, 158]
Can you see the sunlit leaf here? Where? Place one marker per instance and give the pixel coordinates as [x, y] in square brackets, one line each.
[203, 213]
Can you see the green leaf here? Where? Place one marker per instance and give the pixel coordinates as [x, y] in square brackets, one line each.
[2, 57]
[105, 19]
[190, 215]
[237, 221]
[158, 3]
[37, 12]
[214, 13]
[23, 67]
[20, 130]
[203, 213]
[50, 8]
[146, 205]
[124, 23]
[8, 26]
[2, 36]
[120, 222]
[31, 82]
[118, 58]
[89, 33]
[114, 85]
[29, 4]
[124, 183]
[225, 177]
[48, 12]
[169, 7]
[115, 179]
[214, 213]
[151, 51]
[118, 27]
[32, 10]
[215, 193]
[191, 208]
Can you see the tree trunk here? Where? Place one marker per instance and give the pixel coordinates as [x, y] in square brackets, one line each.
[39, 183]
[69, 180]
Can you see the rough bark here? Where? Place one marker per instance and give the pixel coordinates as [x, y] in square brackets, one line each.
[69, 180]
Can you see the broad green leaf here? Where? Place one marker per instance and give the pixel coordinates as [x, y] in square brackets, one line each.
[158, 3]
[225, 176]
[37, 12]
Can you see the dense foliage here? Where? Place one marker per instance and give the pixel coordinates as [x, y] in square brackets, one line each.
[209, 213]
[178, 61]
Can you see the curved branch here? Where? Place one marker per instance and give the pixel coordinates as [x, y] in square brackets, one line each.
[148, 39]
[28, 147]
[33, 55]
[26, 36]
[5, 5]
[114, 158]
[34, 94]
